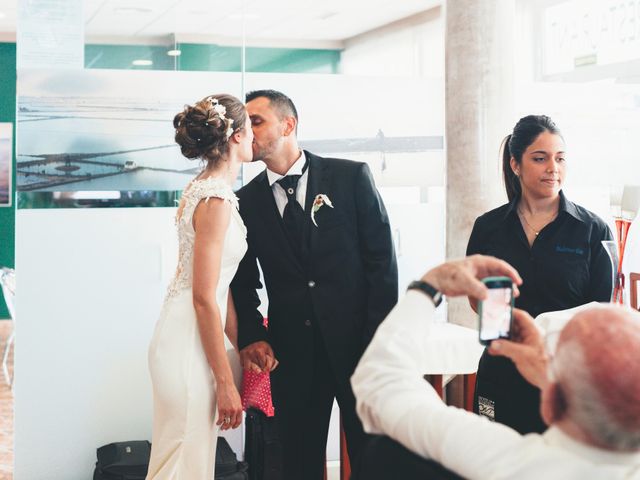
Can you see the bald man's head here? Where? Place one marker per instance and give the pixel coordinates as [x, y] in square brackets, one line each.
[597, 365]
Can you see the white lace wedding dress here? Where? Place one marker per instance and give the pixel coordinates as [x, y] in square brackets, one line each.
[184, 392]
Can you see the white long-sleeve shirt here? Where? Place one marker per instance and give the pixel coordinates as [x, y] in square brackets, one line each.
[394, 399]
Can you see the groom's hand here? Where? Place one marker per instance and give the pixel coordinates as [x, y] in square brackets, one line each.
[258, 357]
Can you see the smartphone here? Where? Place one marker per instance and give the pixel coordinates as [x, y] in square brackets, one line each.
[495, 313]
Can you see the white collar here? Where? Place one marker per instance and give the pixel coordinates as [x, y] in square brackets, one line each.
[296, 169]
[556, 437]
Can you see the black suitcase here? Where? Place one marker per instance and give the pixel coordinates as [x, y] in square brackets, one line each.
[130, 461]
[227, 465]
[123, 461]
[262, 448]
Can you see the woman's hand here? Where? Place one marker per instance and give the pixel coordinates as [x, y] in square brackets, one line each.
[229, 406]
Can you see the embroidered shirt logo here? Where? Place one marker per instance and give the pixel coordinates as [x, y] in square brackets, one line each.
[575, 251]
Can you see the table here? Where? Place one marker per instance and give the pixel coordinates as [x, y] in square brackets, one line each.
[453, 350]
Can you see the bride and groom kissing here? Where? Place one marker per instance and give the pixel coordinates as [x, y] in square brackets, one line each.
[320, 233]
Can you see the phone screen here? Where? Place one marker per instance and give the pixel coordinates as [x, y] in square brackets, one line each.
[496, 315]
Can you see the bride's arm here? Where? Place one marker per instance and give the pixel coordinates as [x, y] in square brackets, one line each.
[231, 326]
[211, 219]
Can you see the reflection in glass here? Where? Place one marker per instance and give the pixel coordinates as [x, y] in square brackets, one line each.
[617, 277]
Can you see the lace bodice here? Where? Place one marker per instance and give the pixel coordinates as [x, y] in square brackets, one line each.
[235, 244]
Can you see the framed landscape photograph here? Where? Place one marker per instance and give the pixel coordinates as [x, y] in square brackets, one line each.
[6, 161]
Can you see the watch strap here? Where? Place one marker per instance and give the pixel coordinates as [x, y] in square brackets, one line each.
[429, 290]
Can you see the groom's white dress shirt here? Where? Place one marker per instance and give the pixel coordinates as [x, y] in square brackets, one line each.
[394, 399]
[279, 193]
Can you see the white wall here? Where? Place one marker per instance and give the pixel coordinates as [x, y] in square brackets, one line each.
[91, 287]
[410, 48]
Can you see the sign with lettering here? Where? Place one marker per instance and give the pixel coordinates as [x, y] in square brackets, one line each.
[579, 33]
[50, 34]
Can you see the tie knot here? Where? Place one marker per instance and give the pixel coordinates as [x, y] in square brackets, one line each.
[289, 183]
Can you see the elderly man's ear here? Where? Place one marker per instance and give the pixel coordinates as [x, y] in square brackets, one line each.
[553, 405]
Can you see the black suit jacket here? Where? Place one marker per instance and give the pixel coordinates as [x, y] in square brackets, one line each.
[345, 287]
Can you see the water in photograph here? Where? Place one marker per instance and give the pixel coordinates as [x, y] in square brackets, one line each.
[72, 144]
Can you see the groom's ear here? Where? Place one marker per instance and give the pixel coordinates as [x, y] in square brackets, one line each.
[289, 125]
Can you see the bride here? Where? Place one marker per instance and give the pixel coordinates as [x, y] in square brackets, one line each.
[194, 393]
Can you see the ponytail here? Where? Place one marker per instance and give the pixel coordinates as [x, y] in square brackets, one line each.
[511, 180]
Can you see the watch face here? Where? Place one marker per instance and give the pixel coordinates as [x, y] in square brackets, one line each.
[437, 298]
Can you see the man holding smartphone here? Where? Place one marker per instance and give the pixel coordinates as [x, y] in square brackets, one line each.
[593, 411]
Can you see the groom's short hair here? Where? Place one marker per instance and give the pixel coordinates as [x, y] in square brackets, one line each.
[279, 100]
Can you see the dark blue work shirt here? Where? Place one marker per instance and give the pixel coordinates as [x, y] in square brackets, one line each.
[565, 267]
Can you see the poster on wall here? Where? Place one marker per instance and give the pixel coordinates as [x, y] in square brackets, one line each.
[6, 161]
[105, 134]
[50, 34]
[106, 131]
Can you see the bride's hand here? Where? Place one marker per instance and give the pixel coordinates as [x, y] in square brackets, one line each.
[229, 407]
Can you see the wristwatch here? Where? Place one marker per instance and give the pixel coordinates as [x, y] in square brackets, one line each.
[429, 290]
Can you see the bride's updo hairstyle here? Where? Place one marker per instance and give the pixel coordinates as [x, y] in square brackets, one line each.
[203, 129]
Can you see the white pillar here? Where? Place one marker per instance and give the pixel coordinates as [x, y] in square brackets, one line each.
[479, 77]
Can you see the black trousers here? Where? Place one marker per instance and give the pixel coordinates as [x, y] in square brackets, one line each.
[385, 459]
[303, 418]
[505, 396]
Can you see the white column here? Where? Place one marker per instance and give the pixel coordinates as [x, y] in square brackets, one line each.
[479, 42]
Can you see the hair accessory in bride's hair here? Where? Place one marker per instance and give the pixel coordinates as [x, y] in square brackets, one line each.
[221, 111]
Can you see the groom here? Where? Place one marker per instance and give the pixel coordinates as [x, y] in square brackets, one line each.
[321, 234]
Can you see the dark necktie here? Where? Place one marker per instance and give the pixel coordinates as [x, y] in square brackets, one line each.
[293, 215]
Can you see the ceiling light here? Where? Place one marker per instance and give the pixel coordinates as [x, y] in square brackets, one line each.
[174, 53]
[142, 63]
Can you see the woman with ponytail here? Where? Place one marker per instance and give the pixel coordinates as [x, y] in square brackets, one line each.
[553, 243]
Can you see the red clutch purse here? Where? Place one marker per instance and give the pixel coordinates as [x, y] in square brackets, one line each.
[256, 392]
[256, 389]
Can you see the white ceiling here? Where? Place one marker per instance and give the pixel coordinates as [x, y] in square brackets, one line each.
[333, 20]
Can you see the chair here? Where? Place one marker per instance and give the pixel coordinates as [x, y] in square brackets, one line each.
[384, 458]
[634, 279]
[8, 284]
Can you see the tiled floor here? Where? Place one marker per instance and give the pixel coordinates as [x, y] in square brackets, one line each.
[6, 410]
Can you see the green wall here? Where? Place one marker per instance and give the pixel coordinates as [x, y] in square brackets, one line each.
[7, 114]
[214, 58]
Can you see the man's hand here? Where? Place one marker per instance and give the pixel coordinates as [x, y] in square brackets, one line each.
[258, 357]
[460, 277]
[525, 349]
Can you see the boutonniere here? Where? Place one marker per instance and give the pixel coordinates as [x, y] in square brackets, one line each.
[320, 200]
